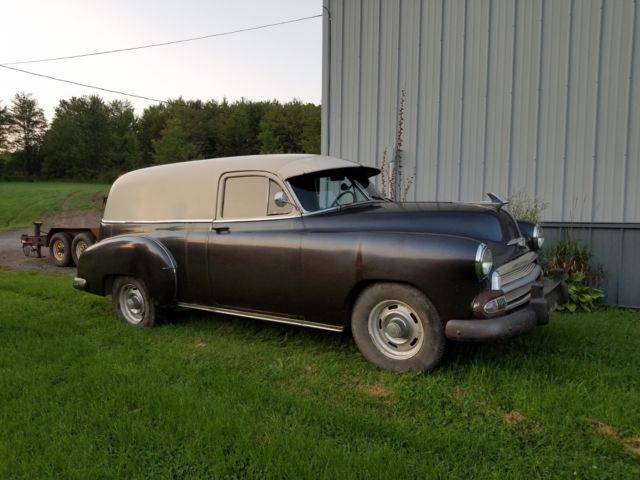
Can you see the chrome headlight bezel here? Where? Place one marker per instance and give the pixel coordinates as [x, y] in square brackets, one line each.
[537, 237]
[483, 261]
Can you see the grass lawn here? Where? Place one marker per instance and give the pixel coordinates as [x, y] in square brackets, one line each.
[84, 396]
[23, 202]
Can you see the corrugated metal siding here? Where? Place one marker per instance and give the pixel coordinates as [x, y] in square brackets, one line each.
[541, 96]
[501, 95]
[614, 247]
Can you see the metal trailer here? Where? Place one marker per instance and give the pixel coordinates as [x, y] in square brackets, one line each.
[65, 244]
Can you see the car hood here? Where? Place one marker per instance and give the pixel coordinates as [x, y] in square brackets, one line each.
[484, 223]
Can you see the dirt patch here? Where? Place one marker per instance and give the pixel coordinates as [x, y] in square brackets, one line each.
[376, 390]
[603, 428]
[633, 445]
[459, 394]
[11, 255]
[513, 417]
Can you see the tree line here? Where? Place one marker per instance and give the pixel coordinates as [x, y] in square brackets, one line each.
[90, 139]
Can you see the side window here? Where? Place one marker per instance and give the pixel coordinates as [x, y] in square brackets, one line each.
[245, 197]
[272, 208]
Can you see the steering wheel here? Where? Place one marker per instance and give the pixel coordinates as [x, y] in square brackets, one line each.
[337, 203]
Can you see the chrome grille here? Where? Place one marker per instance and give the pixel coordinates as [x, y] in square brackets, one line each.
[515, 279]
[517, 273]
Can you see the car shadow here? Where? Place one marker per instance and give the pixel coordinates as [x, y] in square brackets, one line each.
[198, 320]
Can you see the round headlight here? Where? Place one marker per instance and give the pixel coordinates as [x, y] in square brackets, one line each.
[537, 237]
[484, 261]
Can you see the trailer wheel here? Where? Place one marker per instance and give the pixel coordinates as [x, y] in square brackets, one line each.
[80, 243]
[60, 249]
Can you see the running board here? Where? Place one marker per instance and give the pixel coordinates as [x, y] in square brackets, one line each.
[262, 316]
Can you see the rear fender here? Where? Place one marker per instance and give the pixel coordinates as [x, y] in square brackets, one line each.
[130, 255]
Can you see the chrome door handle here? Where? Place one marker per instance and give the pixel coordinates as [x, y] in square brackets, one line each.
[220, 229]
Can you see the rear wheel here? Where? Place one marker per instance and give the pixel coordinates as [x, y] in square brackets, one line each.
[80, 243]
[396, 327]
[60, 249]
[132, 303]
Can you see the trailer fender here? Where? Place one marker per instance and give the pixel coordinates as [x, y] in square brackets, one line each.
[133, 255]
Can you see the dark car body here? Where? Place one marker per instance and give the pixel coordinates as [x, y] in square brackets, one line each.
[310, 267]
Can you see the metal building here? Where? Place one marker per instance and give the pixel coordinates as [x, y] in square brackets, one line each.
[540, 96]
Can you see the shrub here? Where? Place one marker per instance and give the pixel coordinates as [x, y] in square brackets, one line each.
[395, 184]
[581, 296]
[574, 259]
[523, 207]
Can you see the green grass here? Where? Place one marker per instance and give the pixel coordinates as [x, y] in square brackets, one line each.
[23, 202]
[84, 396]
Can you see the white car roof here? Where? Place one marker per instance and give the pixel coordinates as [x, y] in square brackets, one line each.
[188, 190]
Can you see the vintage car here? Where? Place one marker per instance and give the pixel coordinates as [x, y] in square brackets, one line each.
[309, 240]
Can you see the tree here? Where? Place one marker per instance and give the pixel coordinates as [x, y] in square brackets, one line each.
[27, 125]
[174, 144]
[124, 147]
[189, 132]
[4, 128]
[150, 126]
[89, 138]
[238, 127]
[291, 128]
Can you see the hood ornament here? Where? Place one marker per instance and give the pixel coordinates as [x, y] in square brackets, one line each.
[495, 202]
[495, 198]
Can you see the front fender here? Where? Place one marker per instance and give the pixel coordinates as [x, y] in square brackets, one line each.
[130, 255]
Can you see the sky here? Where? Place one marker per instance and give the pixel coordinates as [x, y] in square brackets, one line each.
[282, 62]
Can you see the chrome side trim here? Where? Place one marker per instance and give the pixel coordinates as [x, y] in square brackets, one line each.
[256, 219]
[262, 316]
[183, 220]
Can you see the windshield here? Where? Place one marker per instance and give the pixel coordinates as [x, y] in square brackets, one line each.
[334, 188]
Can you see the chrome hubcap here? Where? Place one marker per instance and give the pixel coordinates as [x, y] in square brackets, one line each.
[132, 303]
[395, 329]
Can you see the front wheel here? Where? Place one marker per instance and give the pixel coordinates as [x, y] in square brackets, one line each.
[131, 302]
[396, 327]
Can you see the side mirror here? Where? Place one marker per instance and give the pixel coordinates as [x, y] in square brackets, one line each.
[281, 200]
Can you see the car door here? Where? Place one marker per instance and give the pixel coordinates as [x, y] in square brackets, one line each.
[253, 251]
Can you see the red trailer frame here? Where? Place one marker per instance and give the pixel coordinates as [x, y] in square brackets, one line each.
[65, 244]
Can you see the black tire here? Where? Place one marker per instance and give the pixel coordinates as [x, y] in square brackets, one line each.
[132, 303]
[396, 327]
[60, 249]
[80, 243]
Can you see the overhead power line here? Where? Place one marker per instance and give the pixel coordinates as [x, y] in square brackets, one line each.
[162, 44]
[83, 84]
